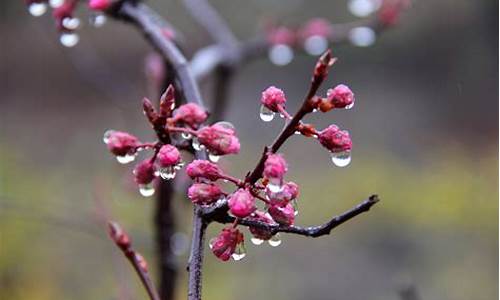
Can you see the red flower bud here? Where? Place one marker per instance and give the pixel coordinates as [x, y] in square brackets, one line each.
[120, 143]
[168, 156]
[241, 203]
[224, 245]
[272, 97]
[275, 168]
[203, 169]
[144, 172]
[219, 140]
[99, 4]
[167, 101]
[118, 235]
[190, 114]
[284, 215]
[334, 139]
[340, 97]
[149, 110]
[257, 232]
[204, 193]
[289, 192]
[323, 65]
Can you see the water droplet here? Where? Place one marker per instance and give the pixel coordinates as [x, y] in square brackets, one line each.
[266, 114]
[186, 135]
[97, 20]
[179, 166]
[362, 36]
[107, 135]
[146, 190]
[256, 241]
[213, 158]
[126, 158]
[239, 253]
[196, 145]
[69, 39]
[280, 54]
[295, 206]
[71, 23]
[275, 241]
[350, 106]
[274, 187]
[225, 124]
[37, 9]
[297, 132]
[315, 45]
[55, 3]
[167, 173]
[341, 159]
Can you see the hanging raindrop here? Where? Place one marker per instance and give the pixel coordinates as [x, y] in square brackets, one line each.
[107, 135]
[274, 187]
[97, 20]
[266, 114]
[350, 106]
[256, 241]
[275, 241]
[341, 159]
[126, 158]
[196, 144]
[71, 23]
[167, 173]
[225, 124]
[280, 54]
[37, 9]
[240, 253]
[69, 39]
[315, 45]
[146, 190]
[213, 158]
[186, 135]
[55, 3]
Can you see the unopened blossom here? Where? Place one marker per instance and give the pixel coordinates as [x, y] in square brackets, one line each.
[284, 215]
[257, 232]
[241, 203]
[289, 192]
[121, 143]
[118, 235]
[275, 168]
[99, 4]
[190, 114]
[204, 193]
[144, 172]
[219, 140]
[203, 169]
[316, 27]
[273, 97]
[168, 156]
[334, 139]
[340, 96]
[224, 245]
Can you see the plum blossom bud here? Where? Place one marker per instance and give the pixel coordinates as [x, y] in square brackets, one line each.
[219, 140]
[289, 192]
[224, 245]
[323, 65]
[241, 203]
[204, 193]
[203, 169]
[339, 97]
[149, 110]
[167, 101]
[168, 156]
[284, 215]
[141, 261]
[120, 143]
[118, 235]
[334, 139]
[190, 114]
[144, 172]
[272, 97]
[257, 232]
[99, 4]
[275, 168]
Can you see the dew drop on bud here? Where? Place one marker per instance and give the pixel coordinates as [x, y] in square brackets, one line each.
[225, 124]
[196, 144]
[37, 9]
[126, 159]
[275, 241]
[315, 45]
[274, 188]
[362, 36]
[256, 241]
[107, 135]
[266, 114]
[167, 173]
[97, 20]
[213, 158]
[186, 135]
[55, 3]
[240, 253]
[71, 23]
[69, 39]
[146, 190]
[350, 106]
[341, 159]
[280, 54]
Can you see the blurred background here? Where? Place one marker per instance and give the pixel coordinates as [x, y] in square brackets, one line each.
[425, 139]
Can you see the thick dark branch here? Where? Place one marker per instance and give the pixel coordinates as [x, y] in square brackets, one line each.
[313, 231]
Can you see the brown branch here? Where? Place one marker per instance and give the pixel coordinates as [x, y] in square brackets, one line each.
[313, 231]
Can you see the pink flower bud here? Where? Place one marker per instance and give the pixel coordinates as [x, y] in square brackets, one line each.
[257, 232]
[190, 114]
[167, 101]
[121, 143]
[275, 168]
[118, 235]
[323, 65]
[204, 193]
[316, 27]
[289, 192]
[99, 4]
[340, 97]
[241, 203]
[219, 140]
[334, 139]
[144, 172]
[203, 169]
[272, 97]
[224, 245]
[284, 215]
[168, 156]
[141, 261]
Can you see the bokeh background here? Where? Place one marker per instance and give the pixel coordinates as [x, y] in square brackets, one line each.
[425, 137]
